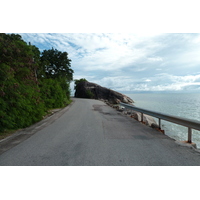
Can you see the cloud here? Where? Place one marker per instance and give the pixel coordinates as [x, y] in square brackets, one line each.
[103, 49]
[168, 82]
[155, 59]
[159, 82]
[129, 62]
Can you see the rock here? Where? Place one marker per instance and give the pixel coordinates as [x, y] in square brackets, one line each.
[116, 106]
[148, 120]
[136, 115]
[153, 125]
[129, 112]
[85, 89]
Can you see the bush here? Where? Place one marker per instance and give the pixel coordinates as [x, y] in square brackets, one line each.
[53, 93]
[89, 94]
[21, 106]
[25, 91]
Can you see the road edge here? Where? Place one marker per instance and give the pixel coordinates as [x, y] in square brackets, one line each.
[23, 134]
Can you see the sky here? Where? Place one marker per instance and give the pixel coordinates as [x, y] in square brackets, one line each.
[130, 62]
[128, 46]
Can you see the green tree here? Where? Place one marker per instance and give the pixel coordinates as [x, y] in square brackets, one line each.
[53, 93]
[55, 78]
[57, 64]
[77, 81]
[30, 84]
[20, 100]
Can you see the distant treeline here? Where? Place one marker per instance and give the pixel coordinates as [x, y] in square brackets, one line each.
[31, 82]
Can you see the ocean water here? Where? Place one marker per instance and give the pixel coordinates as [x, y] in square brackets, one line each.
[185, 105]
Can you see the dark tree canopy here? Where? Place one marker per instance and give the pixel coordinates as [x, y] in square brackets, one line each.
[57, 64]
[77, 81]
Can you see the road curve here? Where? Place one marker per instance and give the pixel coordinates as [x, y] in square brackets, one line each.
[90, 133]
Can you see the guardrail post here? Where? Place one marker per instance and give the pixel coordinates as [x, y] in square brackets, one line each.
[189, 135]
[159, 123]
[191, 124]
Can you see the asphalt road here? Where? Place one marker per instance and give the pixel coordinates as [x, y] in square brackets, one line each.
[90, 133]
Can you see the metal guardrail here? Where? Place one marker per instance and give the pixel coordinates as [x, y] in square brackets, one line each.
[190, 124]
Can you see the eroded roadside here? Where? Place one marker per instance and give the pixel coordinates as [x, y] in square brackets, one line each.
[23, 134]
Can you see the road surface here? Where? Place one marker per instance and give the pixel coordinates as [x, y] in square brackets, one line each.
[90, 133]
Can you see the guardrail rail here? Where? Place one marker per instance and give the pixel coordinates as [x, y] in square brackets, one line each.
[190, 124]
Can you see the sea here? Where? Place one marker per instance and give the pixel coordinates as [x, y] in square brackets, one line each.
[185, 105]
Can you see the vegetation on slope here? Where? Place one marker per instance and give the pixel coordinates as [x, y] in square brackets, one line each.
[30, 82]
